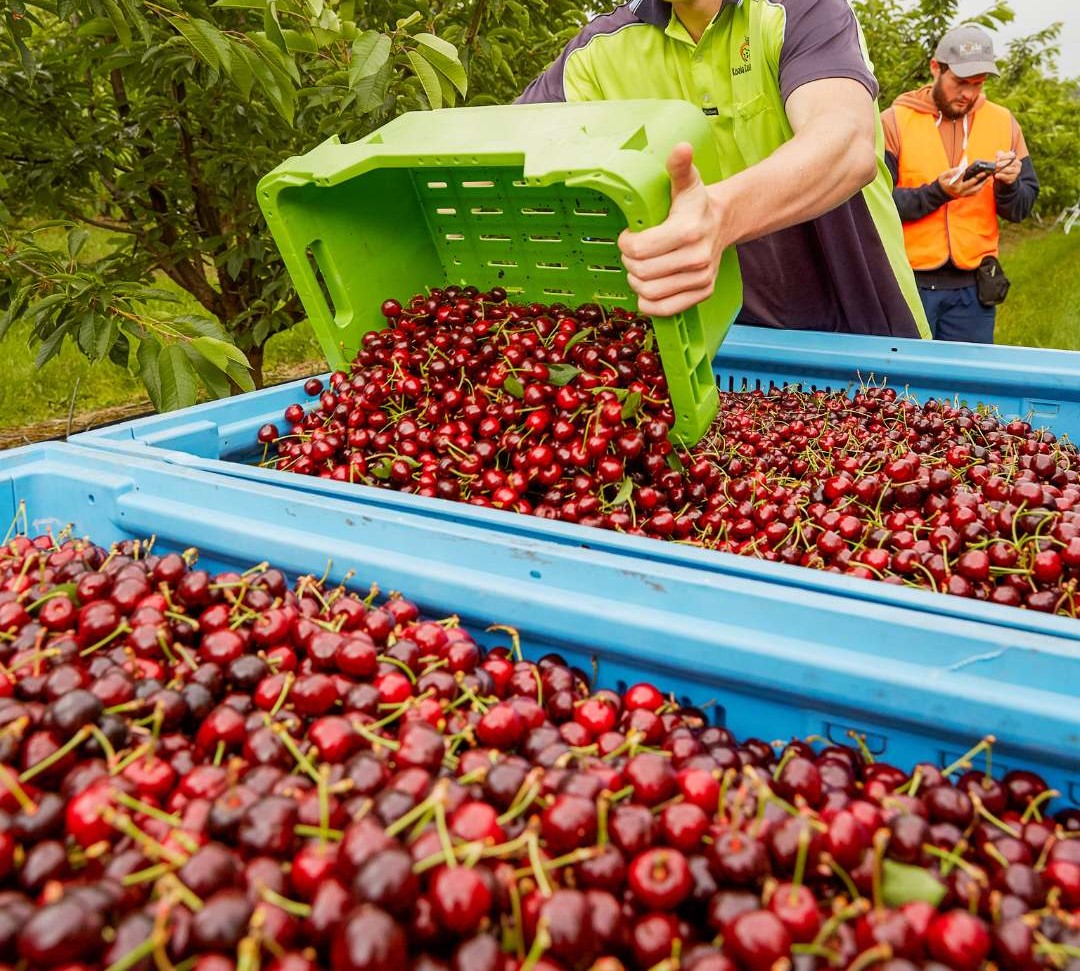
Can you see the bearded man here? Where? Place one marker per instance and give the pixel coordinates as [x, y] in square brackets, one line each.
[958, 163]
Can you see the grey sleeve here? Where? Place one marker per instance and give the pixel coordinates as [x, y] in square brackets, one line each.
[1015, 202]
[821, 40]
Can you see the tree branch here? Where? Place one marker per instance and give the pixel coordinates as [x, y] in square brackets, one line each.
[475, 22]
[104, 222]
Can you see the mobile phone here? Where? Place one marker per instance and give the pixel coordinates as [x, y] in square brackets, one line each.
[979, 168]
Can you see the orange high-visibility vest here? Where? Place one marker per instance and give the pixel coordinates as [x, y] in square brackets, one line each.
[963, 230]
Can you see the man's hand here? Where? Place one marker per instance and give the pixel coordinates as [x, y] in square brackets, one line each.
[1008, 168]
[673, 266]
[959, 188]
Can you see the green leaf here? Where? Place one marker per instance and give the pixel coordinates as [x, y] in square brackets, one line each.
[39, 309]
[631, 404]
[219, 352]
[381, 470]
[240, 4]
[240, 70]
[178, 384]
[428, 78]
[273, 29]
[147, 355]
[116, 18]
[513, 386]
[76, 240]
[674, 462]
[626, 488]
[206, 39]
[134, 13]
[443, 56]
[196, 325]
[406, 22]
[96, 334]
[214, 379]
[52, 344]
[371, 92]
[902, 884]
[370, 51]
[577, 339]
[560, 374]
[120, 351]
[14, 310]
[241, 376]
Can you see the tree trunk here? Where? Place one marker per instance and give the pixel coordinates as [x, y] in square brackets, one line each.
[255, 356]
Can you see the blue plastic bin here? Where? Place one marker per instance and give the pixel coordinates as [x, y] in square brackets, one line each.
[777, 663]
[1042, 386]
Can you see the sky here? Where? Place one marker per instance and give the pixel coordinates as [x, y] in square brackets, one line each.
[1033, 15]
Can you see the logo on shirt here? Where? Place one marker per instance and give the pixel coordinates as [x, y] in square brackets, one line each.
[744, 55]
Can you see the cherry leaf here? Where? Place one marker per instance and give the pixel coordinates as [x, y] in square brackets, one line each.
[513, 386]
[560, 374]
[902, 884]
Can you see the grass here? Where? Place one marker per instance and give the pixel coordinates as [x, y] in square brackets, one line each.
[1043, 307]
[1043, 310]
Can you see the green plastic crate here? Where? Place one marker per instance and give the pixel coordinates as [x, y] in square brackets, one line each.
[528, 197]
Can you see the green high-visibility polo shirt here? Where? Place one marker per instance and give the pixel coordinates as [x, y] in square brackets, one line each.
[844, 271]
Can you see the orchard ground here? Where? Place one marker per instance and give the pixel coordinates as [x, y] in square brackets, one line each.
[69, 393]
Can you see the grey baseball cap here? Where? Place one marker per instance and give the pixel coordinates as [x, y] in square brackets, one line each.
[968, 50]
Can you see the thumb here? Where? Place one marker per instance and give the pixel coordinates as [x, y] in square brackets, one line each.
[684, 174]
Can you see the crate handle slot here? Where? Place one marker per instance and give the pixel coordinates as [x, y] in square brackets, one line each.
[545, 239]
[550, 266]
[555, 292]
[598, 240]
[529, 211]
[446, 211]
[605, 269]
[502, 262]
[592, 212]
[313, 262]
[485, 184]
[489, 238]
[481, 211]
[436, 185]
[454, 237]
[602, 295]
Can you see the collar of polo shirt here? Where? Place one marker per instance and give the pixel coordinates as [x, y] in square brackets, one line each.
[658, 12]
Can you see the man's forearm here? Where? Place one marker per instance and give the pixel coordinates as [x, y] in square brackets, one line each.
[826, 163]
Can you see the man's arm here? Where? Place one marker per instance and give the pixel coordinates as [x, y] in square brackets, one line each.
[831, 157]
[1016, 186]
[914, 203]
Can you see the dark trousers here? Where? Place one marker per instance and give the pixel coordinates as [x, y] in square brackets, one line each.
[957, 315]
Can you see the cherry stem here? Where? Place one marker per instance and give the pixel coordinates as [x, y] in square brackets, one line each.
[11, 783]
[422, 808]
[319, 832]
[800, 863]
[134, 956]
[444, 834]
[964, 761]
[286, 687]
[515, 638]
[537, 865]
[840, 872]
[294, 750]
[50, 760]
[130, 802]
[1033, 806]
[874, 955]
[247, 955]
[540, 944]
[147, 875]
[980, 807]
[294, 907]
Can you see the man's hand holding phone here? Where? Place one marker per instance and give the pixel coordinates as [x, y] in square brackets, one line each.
[960, 182]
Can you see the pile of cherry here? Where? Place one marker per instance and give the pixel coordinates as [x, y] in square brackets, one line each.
[228, 773]
[565, 414]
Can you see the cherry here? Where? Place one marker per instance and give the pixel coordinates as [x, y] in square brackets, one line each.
[959, 940]
[758, 939]
[59, 933]
[660, 878]
[369, 939]
[460, 899]
[797, 909]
